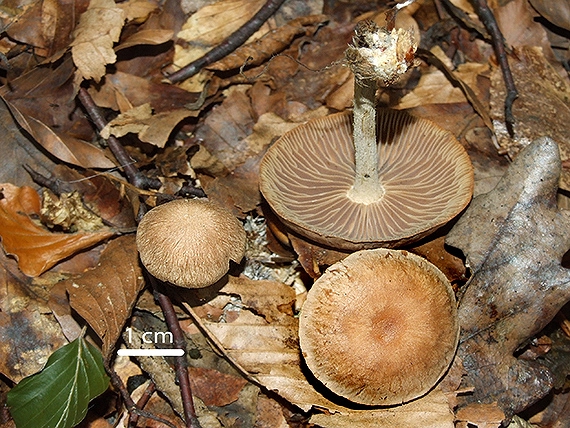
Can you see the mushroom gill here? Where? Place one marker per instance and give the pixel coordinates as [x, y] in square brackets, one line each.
[425, 174]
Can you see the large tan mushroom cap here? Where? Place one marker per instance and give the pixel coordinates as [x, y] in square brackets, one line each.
[426, 174]
[379, 327]
[190, 242]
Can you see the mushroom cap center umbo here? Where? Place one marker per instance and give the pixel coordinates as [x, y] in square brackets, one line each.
[190, 242]
[426, 176]
[379, 327]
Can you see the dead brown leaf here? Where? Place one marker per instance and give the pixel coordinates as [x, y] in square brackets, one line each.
[272, 43]
[21, 151]
[150, 128]
[28, 331]
[215, 388]
[146, 37]
[98, 29]
[36, 248]
[105, 295]
[211, 25]
[47, 24]
[556, 11]
[480, 415]
[513, 242]
[542, 108]
[122, 91]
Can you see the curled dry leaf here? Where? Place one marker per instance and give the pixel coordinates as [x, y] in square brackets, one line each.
[147, 37]
[99, 28]
[151, 128]
[211, 25]
[270, 44]
[514, 238]
[105, 295]
[556, 11]
[36, 248]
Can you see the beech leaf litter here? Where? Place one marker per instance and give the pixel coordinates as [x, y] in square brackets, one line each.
[97, 129]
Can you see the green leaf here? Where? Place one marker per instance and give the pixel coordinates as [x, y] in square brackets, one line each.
[58, 396]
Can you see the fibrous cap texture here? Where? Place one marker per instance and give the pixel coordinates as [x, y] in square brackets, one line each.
[190, 242]
[379, 327]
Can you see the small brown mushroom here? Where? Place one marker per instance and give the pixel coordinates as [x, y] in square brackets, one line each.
[379, 327]
[190, 242]
[425, 178]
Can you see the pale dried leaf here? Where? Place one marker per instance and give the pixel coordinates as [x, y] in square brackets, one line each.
[431, 411]
[479, 415]
[146, 37]
[64, 147]
[514, 238]
[213, 23]
[36, 248]
[105, 295]
[435, 87]
[138, 10]
[99, 28]
[154, 129]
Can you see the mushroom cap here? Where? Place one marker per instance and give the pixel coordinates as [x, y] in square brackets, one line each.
[379, 327]
[426, 174]
[190, 242]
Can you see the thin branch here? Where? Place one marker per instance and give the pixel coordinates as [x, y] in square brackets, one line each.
[488, 19]
[235, 40]
[134, 176]
[117, 382]
[180, 362]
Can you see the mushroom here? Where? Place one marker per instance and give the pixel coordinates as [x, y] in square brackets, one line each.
[368, 178]
[379, 327]
[190, 242]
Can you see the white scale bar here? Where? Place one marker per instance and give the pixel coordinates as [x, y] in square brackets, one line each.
[151, 352]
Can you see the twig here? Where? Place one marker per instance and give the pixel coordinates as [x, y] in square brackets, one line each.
[134, 176]
[133, 417]
[117, 382]
[488, 19]
[235, 40]
[181, 369]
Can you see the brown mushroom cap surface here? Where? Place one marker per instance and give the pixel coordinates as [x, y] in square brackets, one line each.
[190, 242]
[426, 174]
[379, 327]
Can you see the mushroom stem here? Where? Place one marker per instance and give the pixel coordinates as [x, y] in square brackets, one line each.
[376, 54]
[367, 187]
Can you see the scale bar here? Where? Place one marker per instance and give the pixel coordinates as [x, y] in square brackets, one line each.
[150, 352]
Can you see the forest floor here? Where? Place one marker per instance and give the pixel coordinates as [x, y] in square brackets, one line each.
[98, 126]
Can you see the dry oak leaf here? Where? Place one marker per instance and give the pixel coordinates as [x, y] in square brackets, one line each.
[514, 238]
[36, 248]
[99, 28]
[105, 295]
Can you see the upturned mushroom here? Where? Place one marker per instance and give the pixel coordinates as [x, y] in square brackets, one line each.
[190, 242]
[379, 327]
[368, 178]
